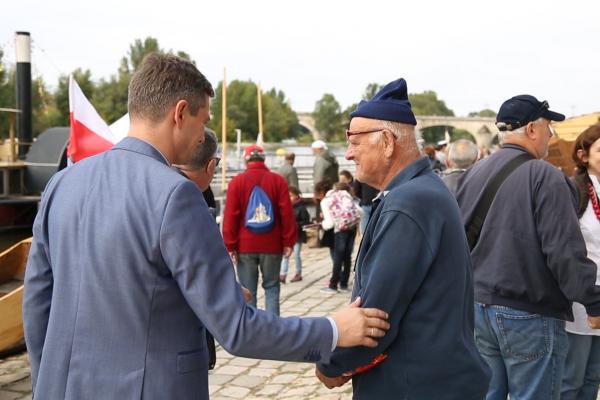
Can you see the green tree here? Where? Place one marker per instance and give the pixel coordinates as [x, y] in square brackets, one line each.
[61, 95]
[110, 95]
[7, 94]
[485, 113]
[427, 103]
[456, 134]
[139, 49]
[279, 120]
[345, 118]
[328, 116]
[42, 101]
[371, 90]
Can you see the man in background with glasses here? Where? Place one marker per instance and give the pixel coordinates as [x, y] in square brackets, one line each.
[202, 166]
[529, 257]
[413, 263]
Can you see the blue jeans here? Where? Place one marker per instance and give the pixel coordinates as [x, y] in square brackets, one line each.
[342, 257]
[526, 352]
[247, 268]
[582, 369]
[285, 261]
[365, 217]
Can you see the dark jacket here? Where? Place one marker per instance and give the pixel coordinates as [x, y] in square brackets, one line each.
[364, 192]
[530, 255]
[302, 218]
[326, 166]
[414, 264]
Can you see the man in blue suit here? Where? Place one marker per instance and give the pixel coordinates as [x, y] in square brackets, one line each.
[127, 267]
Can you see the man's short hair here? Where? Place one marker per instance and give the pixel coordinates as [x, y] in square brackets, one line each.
[205, 151]
[463, 153]
[160, 82]
[290, 156]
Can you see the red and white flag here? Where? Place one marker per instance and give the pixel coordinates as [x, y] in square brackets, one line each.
[89, 132]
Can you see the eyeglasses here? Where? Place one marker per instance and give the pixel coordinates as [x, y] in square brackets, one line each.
[354, 133]
[217, 161]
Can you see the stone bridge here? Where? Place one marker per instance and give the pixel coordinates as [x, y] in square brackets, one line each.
[483, 129]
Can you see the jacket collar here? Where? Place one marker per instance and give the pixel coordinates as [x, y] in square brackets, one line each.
[142, 147]
[256, 165]
[417, 167]
[514, 146]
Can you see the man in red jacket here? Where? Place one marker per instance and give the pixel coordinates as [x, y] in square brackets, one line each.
[249, 249]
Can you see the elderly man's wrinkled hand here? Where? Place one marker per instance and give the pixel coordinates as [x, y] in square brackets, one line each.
[331, 383]
[594, 322]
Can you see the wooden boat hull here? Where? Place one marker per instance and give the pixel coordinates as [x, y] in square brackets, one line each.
[12, 272]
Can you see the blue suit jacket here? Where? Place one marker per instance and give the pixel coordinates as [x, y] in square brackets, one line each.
[126, 269]
[414, 263]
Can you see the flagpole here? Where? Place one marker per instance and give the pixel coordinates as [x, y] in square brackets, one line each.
[259, 140]
[224, 131]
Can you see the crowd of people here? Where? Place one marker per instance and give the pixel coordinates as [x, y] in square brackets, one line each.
[531, 258]
[476, 277]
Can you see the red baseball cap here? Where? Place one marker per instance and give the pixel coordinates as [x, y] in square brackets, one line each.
[254, 151]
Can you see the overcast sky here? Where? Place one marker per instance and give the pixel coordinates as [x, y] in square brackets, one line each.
[474, 54]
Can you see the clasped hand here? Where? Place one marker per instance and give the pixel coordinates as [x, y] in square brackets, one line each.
[356, 327]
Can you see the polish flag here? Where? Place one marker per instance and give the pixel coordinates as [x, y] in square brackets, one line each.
[89, 132]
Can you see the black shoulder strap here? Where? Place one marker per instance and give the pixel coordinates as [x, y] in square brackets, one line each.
[473, 229]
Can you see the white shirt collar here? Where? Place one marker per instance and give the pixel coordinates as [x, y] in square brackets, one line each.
[381, 195]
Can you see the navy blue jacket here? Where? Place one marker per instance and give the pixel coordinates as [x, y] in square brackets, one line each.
[530, 255]
[414, 263]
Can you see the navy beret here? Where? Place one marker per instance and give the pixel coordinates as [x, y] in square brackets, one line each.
[389, 104]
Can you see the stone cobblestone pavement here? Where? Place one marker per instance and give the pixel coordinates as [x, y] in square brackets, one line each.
[243, 378]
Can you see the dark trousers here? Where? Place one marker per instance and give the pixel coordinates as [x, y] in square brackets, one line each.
[342, 258]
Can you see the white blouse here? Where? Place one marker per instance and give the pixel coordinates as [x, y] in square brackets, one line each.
[590, 228]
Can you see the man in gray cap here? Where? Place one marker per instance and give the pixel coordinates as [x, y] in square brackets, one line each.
[413, 263]
[529, 257]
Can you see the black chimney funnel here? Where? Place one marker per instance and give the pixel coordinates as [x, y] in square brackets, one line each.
[24, 129]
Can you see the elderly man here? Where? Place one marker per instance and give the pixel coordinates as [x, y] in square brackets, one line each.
[326, 165]
[461, 155]
[127, 267]
[529, 257]
[414, 263]
[201, 167]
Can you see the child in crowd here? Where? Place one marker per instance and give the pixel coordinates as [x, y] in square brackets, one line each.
[346, 177]
[341, 213]
[302, 218]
